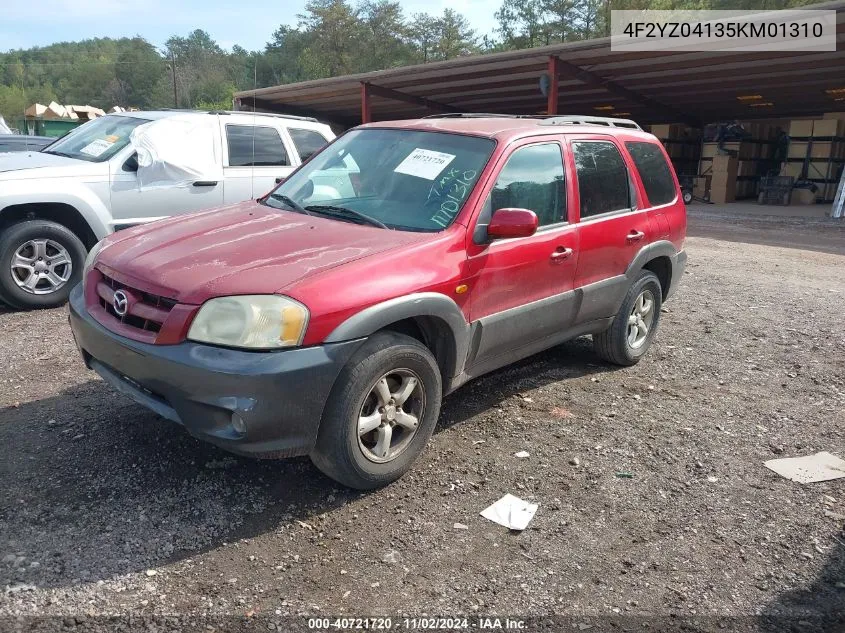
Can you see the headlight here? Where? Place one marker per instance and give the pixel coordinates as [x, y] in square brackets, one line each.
[253, 321]
[89, 262]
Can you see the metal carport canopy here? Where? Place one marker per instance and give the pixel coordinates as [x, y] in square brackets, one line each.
[650, 87]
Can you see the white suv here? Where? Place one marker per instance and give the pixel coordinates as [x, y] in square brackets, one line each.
[57, 203]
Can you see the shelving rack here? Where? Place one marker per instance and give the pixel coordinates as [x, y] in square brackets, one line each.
[830, 167]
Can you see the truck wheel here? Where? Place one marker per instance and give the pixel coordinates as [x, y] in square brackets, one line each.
[629, 337]
[40, 261]
[380, 414]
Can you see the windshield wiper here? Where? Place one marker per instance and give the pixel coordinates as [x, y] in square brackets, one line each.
[329, 209]
[293, 204]
[55, 153]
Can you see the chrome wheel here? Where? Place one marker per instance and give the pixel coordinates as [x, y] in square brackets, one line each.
[641, 319]
[390, 415]
[41, 266]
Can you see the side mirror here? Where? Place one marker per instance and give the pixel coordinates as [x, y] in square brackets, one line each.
[512, 223]
[131, 163]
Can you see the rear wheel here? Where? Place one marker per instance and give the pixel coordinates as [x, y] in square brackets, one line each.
[629, 337]
[40, 261]
[380, 414]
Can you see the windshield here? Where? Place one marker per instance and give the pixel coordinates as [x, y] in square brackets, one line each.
[97, 140]
[402, 179]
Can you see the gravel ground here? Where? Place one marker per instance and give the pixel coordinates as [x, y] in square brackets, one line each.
[106, 509]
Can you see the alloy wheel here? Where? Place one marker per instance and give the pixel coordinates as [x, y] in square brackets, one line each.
[390, 415]
[41, 266]
[641, 319]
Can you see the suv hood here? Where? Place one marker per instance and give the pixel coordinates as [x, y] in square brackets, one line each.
[247, 248]
[35, 164]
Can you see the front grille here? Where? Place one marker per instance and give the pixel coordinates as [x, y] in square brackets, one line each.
[145, 312]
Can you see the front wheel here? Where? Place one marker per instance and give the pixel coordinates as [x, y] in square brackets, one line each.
[633, 328]
[40, 261]
[380, 414]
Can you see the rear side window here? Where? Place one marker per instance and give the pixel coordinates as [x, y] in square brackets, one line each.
[255, 146]
[603, 184]
[654, 172]
[307, 142]
[533, 179]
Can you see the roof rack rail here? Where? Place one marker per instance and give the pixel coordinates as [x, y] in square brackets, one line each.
[479, 115]
[604, 121]
[274, 114]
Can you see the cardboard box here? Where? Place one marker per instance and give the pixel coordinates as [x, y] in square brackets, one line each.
[834, 115]
[792, 169]
[828, 127]
[722, 188]
[705, 167]
[701, 186]
[727, 165]
[819, 170]
[800, 128]
[668, 130]
[741, 150]
[798, 149]
[747, 168]
[826, 149]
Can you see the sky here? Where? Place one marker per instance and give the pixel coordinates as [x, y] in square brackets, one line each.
[248, 23]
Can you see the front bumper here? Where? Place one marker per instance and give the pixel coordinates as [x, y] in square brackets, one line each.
[279, 395]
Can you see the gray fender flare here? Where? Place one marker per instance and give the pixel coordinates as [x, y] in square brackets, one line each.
[422, 304]
[661, 248]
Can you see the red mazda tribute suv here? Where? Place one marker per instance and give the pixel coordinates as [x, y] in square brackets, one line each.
[331, 316]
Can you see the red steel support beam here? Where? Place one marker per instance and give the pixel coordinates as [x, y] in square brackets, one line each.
[389, 93]
[554, 75]
[366, 114]
[659, 109]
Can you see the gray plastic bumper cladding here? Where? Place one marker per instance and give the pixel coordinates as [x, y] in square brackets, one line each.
[279, 395]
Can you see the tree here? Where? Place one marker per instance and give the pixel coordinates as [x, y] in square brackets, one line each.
[455, 38]
[335, 36]
[423, 32]
[385, 35]
[524, 23]
[138, 69]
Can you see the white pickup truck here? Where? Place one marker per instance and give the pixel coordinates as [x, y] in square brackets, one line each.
[57, 203]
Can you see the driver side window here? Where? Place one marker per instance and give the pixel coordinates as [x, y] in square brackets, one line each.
[532, 178]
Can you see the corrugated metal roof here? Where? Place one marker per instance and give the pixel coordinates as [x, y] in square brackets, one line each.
[650, 86]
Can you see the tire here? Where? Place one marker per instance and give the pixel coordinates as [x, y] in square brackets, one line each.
[352, 460]
[687, 197]
[616, 345]
[32, 238]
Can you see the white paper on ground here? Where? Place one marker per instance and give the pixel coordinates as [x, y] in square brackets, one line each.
[810, 468]
[510, 511]
[424, 163]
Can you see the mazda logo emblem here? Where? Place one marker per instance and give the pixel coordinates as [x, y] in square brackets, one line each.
[120, 303]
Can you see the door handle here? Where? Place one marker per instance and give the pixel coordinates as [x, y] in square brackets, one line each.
[280, 180]
[205, 183]
[561, 254]
[634, 236]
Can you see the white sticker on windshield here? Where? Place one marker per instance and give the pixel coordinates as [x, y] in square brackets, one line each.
[424, 163]
[98, 147]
